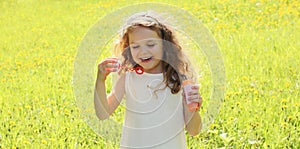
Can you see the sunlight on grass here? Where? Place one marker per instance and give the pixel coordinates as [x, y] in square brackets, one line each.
[259, 41]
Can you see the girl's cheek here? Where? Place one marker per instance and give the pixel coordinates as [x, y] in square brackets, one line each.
[133, 52]
[134, 56]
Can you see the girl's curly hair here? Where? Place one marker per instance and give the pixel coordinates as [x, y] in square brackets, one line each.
[176, 66]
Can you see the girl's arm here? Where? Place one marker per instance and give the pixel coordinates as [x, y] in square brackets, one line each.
[106, 105]
[192, 119]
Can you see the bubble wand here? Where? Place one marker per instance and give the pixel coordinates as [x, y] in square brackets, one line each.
[138, 70]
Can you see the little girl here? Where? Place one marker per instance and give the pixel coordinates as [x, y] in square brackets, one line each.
[156, 108]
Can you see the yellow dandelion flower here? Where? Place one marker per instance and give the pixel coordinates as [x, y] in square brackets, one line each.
[26, 142]
[214, 126]
[283, 100]
[284, 107]
[44, 141]
[287, 85]
[245, 78]
[48, 110]
[67, 112]
[12, 123]
[18, 63]
[231, 118]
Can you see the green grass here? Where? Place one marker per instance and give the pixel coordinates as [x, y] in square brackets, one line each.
[260, 46]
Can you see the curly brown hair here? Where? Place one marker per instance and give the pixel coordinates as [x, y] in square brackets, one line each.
[176, 66]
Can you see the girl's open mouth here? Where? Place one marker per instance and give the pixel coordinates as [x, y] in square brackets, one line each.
[147, 59]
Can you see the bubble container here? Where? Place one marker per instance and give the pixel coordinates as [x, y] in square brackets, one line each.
[187, 87]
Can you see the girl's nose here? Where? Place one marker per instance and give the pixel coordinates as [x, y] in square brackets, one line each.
[144, 49]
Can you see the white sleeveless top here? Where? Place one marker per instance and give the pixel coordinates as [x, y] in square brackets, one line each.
[154, 116]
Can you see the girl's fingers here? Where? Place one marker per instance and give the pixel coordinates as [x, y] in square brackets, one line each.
[193, 92]
[195, 98]
[108, 65]
[194, 95]
[195, 87]
[104, 66]
[108, 69]
[111, 65]
[109, 60]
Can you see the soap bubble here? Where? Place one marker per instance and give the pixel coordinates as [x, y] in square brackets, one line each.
[94, 46]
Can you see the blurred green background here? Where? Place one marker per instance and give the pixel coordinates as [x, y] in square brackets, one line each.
[259, 41]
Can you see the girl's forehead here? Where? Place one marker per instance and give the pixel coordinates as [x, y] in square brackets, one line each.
[142, 34]
[147, 40]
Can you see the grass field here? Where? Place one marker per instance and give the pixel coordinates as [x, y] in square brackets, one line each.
[259, 41]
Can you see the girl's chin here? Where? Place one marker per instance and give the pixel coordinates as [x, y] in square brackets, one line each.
[150, 65]
[145, 64]
[152, 69]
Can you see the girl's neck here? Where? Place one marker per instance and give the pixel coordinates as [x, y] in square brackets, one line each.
[155, 70]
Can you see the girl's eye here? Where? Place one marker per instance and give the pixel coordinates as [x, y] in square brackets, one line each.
[151, 45]
[135, 47]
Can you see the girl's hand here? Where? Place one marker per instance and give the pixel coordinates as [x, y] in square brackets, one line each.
[107, 66]
[194, 95]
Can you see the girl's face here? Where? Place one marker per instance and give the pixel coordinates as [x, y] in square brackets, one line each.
[146, 48]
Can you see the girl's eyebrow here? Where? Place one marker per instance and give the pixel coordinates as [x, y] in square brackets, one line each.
[151, 40]
[148, 40]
